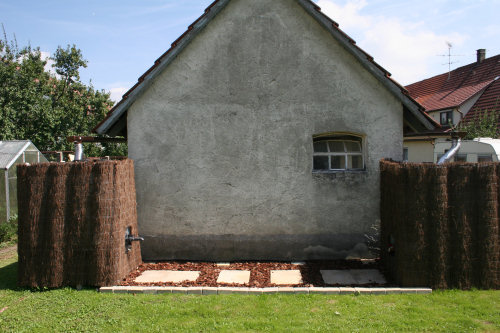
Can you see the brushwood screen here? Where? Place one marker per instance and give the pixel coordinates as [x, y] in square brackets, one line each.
[440, 224]
[72, 223]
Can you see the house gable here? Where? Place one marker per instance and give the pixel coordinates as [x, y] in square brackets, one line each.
[115, 122]
[473, 88]
[223, 142]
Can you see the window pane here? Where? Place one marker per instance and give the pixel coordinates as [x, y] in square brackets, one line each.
[320, 147]
[461, 158]
[353, 147]
[405, 154]
[355, 162]
[320, 163]
[338, 162]
[484, 158]
[446, 117]
[31, 157]
[336, 146]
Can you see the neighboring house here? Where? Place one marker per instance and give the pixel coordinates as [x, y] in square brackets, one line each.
[459, 96]
[258, 136]
[13, 153]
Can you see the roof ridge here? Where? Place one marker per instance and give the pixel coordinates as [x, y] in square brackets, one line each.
[472, 65]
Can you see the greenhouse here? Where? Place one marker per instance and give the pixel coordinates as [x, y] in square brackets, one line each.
[13, 153]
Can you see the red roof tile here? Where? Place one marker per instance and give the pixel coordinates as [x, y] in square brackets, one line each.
[488, 102]
[452, 90]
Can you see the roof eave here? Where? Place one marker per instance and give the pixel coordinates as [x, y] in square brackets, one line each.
[367, 61]
[13, 160]
[147, 79]
[349, 44]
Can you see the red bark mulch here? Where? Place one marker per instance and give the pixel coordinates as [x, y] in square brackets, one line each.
[259, 272]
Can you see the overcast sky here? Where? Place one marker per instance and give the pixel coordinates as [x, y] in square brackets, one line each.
[121, 39]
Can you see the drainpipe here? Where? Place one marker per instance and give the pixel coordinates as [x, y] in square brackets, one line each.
[78, 151]
[456, 142]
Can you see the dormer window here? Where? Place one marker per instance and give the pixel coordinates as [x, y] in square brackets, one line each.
[338, 153]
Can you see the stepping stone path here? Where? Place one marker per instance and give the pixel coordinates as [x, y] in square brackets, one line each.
[284, 277]
[278, 277]
[237, 277]
[283, 281]
[167, 276]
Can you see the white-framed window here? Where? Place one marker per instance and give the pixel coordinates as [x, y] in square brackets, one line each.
[405, 154]
[338, 153]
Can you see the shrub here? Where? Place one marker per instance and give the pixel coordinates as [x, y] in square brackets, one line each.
[8, 230]
[482, 126]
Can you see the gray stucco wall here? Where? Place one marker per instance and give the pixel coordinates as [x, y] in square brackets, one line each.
[222, 142]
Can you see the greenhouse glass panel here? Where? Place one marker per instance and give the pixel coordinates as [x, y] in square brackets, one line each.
[31, 157]
[13, 196]
[13, 153]
[13, 168]
[3, 202]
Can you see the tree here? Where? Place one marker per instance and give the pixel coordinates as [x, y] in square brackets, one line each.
[68, 63]
[45, 108]
[485, 125]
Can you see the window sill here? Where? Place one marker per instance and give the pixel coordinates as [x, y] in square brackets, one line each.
[328, 175]
[334, 172]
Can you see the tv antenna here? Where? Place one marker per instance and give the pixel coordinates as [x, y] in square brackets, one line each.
[449, 55]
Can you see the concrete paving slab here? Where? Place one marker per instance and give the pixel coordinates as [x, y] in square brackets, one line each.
[164, 290]
[120, 290]
[347, 291]
[286, 290]
[393, 290]
[255, 291]
[364, 291]
[378, 291]
[223, 264]
[150, 290]
[341, 277]
[270, 290]
[281, 277]
[408, 290]
[179, 290]
[107, 290]
[135, 290]
[301, 290]
[210, 291]
[232, 290]
[167, 276]
[326, 290]
[234, 276]
[424, 291]
[365, 276]
[195, 291]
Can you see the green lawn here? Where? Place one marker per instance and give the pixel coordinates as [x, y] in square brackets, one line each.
[68, 310]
